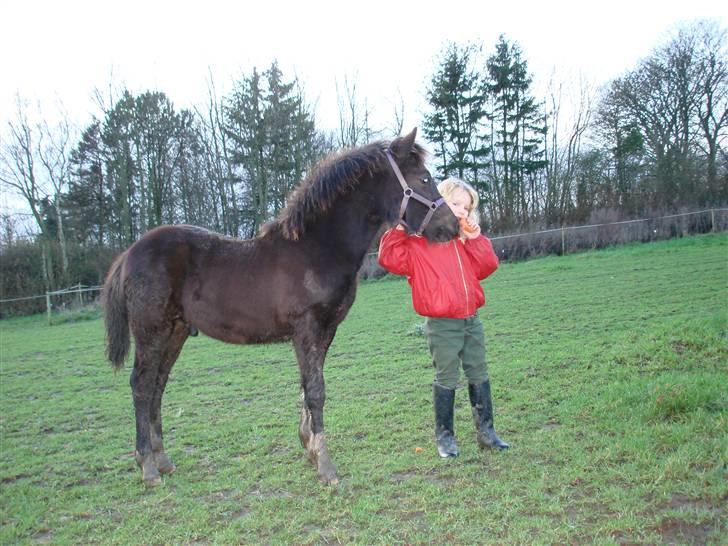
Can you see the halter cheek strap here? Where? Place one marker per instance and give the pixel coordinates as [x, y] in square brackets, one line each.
[409, 193]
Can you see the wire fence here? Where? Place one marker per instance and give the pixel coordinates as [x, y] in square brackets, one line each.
[558, 241]
[73, 297]
[572, 238]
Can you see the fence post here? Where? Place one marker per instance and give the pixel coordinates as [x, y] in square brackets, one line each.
[48, 307]
[80, 296]
[712, 220]
[563, 242]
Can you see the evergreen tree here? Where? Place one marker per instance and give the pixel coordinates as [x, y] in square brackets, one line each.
[87, 203]
[282, 106]
[246, 131]
[517, 132]
[158, 135]
[456, 99]
[144, 139]
[273, 141]
[117, 136]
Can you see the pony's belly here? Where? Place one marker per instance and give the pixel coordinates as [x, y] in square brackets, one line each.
[245, 332]
[245, 338]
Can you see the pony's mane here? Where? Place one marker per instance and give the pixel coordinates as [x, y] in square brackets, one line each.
[332, 177]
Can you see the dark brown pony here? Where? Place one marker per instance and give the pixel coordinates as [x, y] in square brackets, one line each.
[296, 281]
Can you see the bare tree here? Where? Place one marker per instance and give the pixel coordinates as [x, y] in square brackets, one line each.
[712, 107]
[562, 150]
[218, 163]
[354, 128]
[676, 99]
[398, 123]
[19, 172]
[54, 152]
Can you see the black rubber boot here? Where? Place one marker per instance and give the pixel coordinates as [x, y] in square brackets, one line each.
[482, 405]
[444, 402]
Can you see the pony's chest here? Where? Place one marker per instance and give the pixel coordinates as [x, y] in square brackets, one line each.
[316, 287]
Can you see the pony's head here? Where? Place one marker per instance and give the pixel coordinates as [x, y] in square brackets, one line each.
[422, 209]
[380, 182]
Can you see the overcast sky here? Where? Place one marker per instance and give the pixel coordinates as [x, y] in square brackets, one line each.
[60, 51]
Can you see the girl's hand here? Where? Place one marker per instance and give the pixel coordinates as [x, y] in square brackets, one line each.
[468, 230]
[474, 234]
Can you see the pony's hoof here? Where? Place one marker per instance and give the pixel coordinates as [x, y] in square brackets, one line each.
[327, 474]
[329, 479]
[164, 464]
[167, 468]
[155, 481]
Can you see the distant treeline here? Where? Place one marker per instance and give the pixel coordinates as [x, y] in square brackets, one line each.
[652, 139]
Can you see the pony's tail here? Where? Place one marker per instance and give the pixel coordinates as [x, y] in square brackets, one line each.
[116, 315]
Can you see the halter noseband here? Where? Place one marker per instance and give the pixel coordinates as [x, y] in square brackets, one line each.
[410, 193]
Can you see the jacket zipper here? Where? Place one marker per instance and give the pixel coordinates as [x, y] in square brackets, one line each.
[462, 276]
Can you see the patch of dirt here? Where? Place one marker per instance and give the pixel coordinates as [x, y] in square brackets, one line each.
[432, 475]
[81, 482]
[412, 516]
[399, 477]
[551, 425]
[685, 503]
[272, 494]
[218, 496]
[677, 531]
[11, 479]
[306, 529]
[622, 539]
[238, 514]
[43, 536]
[582, 509]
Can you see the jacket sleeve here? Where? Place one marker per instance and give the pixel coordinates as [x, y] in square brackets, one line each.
[482, 256]
[394, 252]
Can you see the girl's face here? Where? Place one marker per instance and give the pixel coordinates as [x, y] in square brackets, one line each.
[460, 203]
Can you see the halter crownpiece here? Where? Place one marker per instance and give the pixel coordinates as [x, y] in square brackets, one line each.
[410, 193]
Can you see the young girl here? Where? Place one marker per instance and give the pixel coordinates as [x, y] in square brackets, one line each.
[445, 280]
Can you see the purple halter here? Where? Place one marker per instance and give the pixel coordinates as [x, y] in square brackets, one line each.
[410, 193]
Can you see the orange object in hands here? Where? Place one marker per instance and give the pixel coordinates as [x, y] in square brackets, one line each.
[466, 226]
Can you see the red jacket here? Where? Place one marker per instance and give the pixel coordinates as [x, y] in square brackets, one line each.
[445, 277]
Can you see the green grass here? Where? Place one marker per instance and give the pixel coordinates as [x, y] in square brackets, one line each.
[609, 373]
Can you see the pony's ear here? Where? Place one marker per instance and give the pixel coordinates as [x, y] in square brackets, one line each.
[404, 145]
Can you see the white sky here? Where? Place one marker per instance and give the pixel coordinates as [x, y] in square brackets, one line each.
[55, 51]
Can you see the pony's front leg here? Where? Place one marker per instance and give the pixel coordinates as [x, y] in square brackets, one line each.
[313, 439]
[311, 353]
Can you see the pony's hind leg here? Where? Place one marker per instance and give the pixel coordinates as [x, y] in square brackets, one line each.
[143, 383]
[176, 341]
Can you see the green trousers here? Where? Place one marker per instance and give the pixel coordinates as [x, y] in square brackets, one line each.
[456, 342]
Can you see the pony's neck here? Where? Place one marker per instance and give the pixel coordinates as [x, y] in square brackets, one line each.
[349, 227]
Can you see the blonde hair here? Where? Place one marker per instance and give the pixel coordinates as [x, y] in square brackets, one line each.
[448, 186]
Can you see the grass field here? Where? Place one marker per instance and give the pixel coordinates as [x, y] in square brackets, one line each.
[610, 379]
